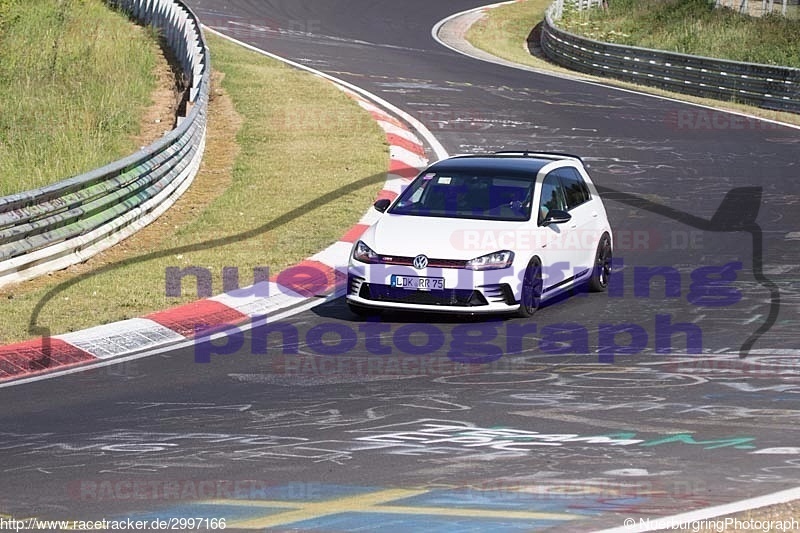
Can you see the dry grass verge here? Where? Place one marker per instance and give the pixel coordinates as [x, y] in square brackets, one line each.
[278, 140]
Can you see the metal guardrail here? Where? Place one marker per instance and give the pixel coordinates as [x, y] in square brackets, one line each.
[766, 86]
[50, 228]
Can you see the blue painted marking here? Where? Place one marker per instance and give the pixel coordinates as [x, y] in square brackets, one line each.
[229, 512]
[510, 500]
[398, 523]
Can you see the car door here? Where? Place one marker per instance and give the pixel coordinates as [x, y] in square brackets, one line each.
[584, 225]
[556, 260]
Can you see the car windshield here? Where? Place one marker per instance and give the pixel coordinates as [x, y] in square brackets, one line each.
[463, 195]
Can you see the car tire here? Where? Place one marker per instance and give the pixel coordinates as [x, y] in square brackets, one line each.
[531, 293]
[601, 270]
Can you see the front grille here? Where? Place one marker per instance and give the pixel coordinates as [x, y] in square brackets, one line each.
[432, 263]
[454, 297]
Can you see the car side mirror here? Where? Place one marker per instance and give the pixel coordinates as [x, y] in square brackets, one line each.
[383, 204]
[556, 216]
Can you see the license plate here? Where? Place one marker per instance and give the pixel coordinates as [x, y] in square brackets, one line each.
[416, 283]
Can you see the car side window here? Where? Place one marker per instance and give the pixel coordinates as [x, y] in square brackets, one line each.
[552, 196]
[575, 189]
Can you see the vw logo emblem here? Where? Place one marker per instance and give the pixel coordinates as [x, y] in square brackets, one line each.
[420, 262]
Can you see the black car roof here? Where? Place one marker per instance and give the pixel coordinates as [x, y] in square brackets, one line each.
[506, 162]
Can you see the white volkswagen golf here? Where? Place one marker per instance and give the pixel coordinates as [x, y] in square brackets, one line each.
[495, 233]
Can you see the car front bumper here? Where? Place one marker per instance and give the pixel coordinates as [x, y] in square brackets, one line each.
[465, 291]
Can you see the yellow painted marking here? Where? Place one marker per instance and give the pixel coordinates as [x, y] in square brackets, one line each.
[370, 503]
[309, 510]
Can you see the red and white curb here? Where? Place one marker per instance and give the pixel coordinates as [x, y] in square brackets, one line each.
[323, 274]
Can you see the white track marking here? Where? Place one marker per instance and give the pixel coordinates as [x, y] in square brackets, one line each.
[432, 141]
[120, 338]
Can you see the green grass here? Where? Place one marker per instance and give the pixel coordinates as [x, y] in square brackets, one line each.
[691, 27]
[74, 78]
[300, 138]
[503, 32]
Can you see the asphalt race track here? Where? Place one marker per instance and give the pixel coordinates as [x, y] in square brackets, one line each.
[678, 390]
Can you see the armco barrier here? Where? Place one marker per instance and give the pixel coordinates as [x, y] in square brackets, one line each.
[62, 224]
[765, 86]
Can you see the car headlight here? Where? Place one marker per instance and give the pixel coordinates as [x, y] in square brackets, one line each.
[365, 254]
[491, 261]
